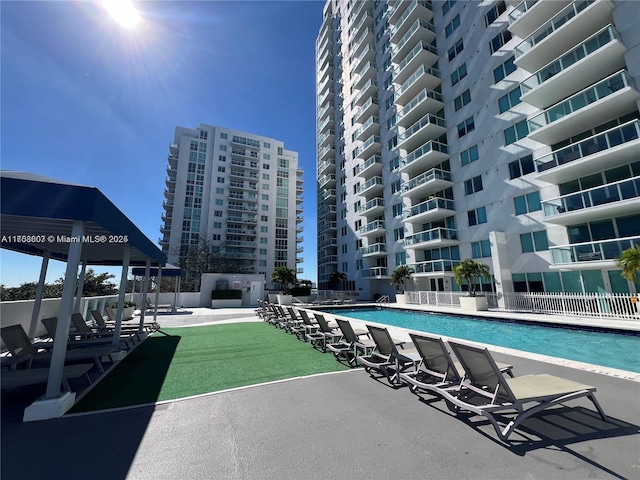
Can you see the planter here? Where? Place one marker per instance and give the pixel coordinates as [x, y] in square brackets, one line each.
[273, 297]
[127, 313]
[226, 303]
[285, 299]
[400, 298]
[474, 304]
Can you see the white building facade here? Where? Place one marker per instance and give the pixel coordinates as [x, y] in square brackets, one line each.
[240, 191]
[506, 132]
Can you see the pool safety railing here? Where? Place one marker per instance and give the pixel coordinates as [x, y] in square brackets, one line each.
[383, 299]
[592, 305]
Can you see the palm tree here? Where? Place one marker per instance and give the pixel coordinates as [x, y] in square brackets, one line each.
[629, 262]
[469, 271]
[400, 276]
[284, 276]
[338, 279]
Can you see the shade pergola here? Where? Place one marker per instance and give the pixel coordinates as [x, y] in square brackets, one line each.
[160, 273]
[74, 224]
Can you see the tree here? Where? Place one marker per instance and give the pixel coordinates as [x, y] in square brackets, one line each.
[469, 271]
[629, 262]
[285, 277]
[400, 276]
[305, 283]
[338, 279]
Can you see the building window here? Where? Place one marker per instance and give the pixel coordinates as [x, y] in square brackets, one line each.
[217, 224]
[223, 135]
[447, 6]
[221, 169]
[264, 208]
[264, 229]
[493, 14]
[534, 241]
[521, 167]
[465, 127]
[401, 258]
[264, 196]
[473, 185]
[223, 148]
[509, 100]
[220, 180]
[481, 249]
[219, 201]
[452, 26]
[398, 233]
[222, 158]
[516, 132]
[499, 40]
[504, 70]
[264, 218]
[391, 122]
[477, 216]
[396, 209]
[393, 142]
[469, 155]
[394, 164]
[396, 186]
[359, 264]
[459, 74]
[527, 203]
[264, 240]
[265, 176]
[219, 191]
[217, 213]
[455, 50]
[462, 100]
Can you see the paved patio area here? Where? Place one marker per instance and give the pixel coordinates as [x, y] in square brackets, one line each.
[343, 425]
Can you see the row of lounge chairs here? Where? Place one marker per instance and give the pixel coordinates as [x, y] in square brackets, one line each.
[27, 362]
[465, 376]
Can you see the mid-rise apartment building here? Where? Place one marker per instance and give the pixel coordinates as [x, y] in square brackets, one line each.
[503, 131]
[241, 192]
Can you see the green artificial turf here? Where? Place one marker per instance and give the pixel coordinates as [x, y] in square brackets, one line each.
[205, 359]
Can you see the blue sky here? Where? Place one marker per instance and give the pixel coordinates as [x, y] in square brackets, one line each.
[87, 101]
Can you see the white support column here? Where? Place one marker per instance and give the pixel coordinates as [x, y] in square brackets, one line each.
[176, 292]
[64, 314]
[157, 301]
[76, 307]
[145, 290]
[126, 258]
[501, 270]
[39, 291]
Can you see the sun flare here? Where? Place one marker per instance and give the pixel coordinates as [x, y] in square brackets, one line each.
[123, 12]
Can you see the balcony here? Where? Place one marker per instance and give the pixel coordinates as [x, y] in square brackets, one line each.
[327, 181]
[564, 31]
[242, 174]
[423, 78]
[327, 211]
[369, 53]
[245, 164]
[326, 111]
[250, 197]
[326, 125]
[242, 207]
[527, 16]
[432, 209]
[372, 207]
[369, 108]
[173, 161]
[169, 193]
[428, 182]
[242, 153]
[326, 153]
[374, 228]
[598, 203]
[419, 31]
[610, 98]
[370, 126]
[433, 266]
[170, 181]
[165, 228]
[427, 156]
[328, 259]
[369, 89]
[594, 255]
[243, 185]
[613, 148]
[241, 231]
[330, 243]
[328, 166]
[421, 54]
[441, 237]
[360, 8]
[368, 72]
[327, 194]
[428, 127]
[174, 149]
[168, 206]
[365, 22]
[324, 227]
[251, 219]
[416, 9]
[427, 101]
[369, 147]
[600, 54]
[373, 166]
[375, 272]
[325, 74]
[328, 137]
[366, 38]
[375, 186]
[375, 250]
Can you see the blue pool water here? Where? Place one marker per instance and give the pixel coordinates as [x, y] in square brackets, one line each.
[598, 348]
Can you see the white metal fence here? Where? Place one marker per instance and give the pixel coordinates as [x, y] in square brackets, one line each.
[594, 305]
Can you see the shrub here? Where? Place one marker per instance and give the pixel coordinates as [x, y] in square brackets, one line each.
[301, 291]
[226, 295]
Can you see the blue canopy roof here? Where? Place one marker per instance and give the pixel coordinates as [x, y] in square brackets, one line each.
[37, 215]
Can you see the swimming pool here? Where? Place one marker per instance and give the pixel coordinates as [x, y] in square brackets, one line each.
[598, 348]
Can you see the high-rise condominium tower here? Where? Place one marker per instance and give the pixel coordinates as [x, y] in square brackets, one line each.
[503, 131]
[238, 191]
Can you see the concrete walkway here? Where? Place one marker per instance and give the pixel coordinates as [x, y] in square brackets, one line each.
[343, 425]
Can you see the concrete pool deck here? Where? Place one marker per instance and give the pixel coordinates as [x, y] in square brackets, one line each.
[343, 425]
